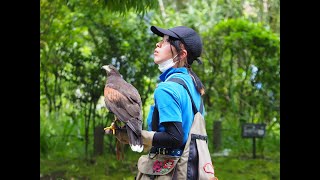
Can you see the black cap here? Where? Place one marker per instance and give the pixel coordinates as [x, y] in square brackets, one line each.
[187, 36]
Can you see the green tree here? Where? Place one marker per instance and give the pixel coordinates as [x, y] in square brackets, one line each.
[244, 82]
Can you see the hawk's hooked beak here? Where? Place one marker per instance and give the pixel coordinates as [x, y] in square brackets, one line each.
[106, 67]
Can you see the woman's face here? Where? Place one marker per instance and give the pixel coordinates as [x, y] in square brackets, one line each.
[163, 50]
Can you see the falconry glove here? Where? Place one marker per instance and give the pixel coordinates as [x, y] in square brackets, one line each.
[147, 137]
[122, 136]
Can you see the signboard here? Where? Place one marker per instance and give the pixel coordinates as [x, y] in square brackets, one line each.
[251, 130]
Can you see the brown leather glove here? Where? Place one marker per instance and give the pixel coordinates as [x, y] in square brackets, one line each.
[122, 136]
[120, 133]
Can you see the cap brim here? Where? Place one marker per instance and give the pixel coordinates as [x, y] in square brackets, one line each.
[161, 32]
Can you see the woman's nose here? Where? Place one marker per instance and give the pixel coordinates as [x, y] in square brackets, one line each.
[157, 44]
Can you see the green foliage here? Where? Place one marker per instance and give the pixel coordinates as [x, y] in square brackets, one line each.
[233, 50]
[60, 136]
[125, 6]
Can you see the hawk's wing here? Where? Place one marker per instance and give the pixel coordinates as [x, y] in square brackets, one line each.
[125, 89]
[120, 105]
[126, 111]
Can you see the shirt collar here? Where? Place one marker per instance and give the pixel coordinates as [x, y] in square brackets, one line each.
[171, 71]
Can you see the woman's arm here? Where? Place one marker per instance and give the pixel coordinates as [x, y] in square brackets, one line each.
[171, 138]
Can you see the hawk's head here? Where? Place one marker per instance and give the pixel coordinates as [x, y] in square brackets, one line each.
[109, 68]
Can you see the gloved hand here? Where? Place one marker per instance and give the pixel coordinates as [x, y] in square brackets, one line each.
[147, 137]
[122, 136]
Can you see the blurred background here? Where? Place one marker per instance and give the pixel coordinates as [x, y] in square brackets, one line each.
[241, 74]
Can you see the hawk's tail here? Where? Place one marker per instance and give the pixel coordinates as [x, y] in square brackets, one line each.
[135, 141]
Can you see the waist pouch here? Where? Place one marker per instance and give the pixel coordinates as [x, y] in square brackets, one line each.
[156, 166]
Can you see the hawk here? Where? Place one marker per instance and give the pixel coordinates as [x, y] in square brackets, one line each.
[124, 101]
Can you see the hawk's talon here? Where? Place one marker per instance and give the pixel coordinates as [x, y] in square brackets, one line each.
[111, 127]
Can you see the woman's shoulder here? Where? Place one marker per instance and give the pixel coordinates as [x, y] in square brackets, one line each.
[167, 86]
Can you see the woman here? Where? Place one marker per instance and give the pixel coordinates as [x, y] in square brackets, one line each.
[174, 54]
[171, 117]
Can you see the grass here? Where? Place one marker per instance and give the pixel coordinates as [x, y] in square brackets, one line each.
[247, 168]
[235, 167]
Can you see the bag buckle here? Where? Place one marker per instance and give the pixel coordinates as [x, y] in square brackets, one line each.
[162, 151]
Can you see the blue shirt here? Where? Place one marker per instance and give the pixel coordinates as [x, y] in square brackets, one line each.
[173, 102]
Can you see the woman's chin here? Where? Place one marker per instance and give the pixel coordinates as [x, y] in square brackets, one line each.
[156, 61]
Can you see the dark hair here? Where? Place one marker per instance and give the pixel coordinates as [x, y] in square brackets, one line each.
[196, 80]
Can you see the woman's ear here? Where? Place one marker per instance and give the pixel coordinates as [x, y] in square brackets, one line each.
[182, 58]
[182, 55]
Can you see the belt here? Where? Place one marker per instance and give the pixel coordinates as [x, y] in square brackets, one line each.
[166, 151]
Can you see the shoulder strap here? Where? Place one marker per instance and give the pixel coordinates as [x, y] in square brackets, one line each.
[181, 82]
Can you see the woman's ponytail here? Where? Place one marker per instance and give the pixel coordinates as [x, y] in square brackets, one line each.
[197, 82]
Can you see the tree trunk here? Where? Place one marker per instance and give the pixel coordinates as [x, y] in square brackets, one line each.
[98, 140]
